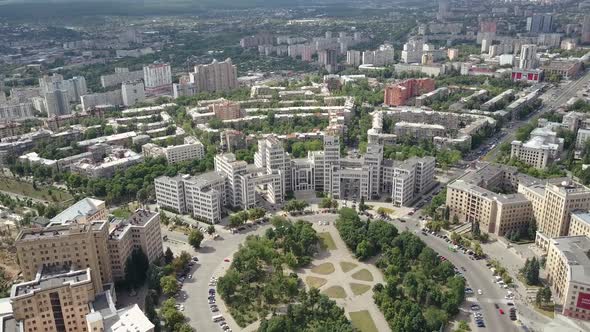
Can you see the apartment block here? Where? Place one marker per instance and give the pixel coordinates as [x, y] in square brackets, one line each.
[132, 92]
[399, 94]
[216, 76]
[226, 110]
[121, 75]
[16, 111]
[157, 79]
[74, 87]
[568, 273]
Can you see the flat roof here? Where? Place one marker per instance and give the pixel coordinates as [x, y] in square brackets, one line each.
[51, 279]
[575, 250]
[82, 208]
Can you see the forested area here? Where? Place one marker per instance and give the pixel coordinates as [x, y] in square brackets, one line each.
[421, 292]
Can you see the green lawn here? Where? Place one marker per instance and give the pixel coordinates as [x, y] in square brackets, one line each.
[363, 275]
[358, 289]
[122, 213]
[547, 310]
[362, 321]
[50, 194]
[335, 292]
[325, 268]
[347, 266]
[327, 241]
[315, 282]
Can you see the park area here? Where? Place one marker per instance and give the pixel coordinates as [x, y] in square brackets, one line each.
[344, 279]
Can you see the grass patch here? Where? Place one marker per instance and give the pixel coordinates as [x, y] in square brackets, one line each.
[49, 194]
[347, 266]
[122, 212]
[363, 275]
[358, 289]
[362, 321]
[335, 292]
[315, 282]
[546, 310]
[327, 241]
[325, 268]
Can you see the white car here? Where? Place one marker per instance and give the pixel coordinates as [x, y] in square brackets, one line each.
[479, 292]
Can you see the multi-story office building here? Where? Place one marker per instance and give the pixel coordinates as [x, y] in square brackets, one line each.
[542, 148]
[272, 156]
[216, 76]
[568, 272]
[133, 92]
[475, 197]
[157, 79]
[140, 231]
[580, 223]
[56, 103]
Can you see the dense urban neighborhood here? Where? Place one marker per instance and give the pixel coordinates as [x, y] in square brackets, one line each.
[269, 166]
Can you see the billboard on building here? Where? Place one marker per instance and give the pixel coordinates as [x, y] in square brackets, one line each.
[583, 301]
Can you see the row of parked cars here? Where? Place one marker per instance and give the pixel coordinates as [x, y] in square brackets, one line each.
[213, 306]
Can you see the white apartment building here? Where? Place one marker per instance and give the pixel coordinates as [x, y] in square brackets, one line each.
[582, 137]
[216, 76]
[75, 87]
[353, 58]
[542, 148]
[190, 150]
[132, 92]
[157, 78]
[16, 111]
[121, 75]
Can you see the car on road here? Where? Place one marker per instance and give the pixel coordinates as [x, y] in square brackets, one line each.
[501, 311]
[496, 306]
[226, 260]
[479, 291]
[468, 290]
[475, 307]
[510, 303]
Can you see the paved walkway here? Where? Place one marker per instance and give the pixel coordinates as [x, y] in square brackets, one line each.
[350, 302]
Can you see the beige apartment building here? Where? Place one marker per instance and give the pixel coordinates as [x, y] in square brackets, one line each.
[75, 246]
[140, 231]
[580, 224]
[568, 272]
[476, 197]
[70, 262]
[54, 300]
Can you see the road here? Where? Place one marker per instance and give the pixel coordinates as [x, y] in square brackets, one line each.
[478, 276]
[550, 103]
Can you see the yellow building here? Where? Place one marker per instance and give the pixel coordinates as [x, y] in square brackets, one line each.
[55, 300]
[568, 272]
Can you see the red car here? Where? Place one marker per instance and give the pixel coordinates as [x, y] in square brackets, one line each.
[501, 311]
[226, 260]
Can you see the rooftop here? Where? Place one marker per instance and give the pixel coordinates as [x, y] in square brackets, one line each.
[575, 250]
[51, 279]
[138, 219]
[82, 208]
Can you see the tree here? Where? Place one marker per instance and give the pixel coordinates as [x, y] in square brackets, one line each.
[530, 271]
[164, 218]
[295, 205]
[169, 285]
[543, 296]
[238, 219]
[180, 263]
[171, 316]
[256, 213]
[210, 229]
[149, 308]
[195, 238]
[362, 205]
[477, 249]
[136, 268]
[168, 255]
